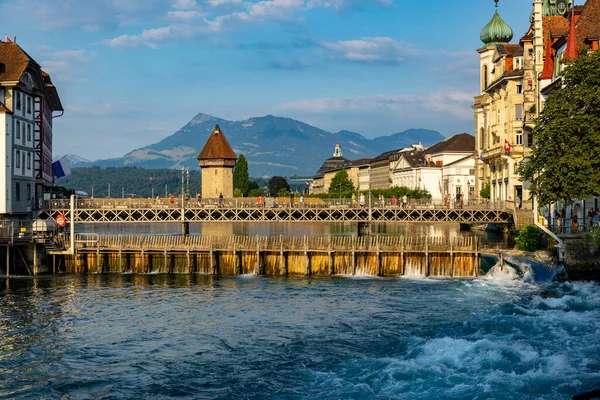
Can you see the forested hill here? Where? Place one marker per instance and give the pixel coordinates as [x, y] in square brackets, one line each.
[130, 181]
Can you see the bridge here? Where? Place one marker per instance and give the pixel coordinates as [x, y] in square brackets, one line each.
[88, 211]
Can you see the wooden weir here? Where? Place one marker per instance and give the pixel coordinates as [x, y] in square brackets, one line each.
[277, 255]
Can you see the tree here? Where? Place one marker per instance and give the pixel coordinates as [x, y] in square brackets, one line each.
[276, 183]
[564, 163]
[340, 183]
[485, 191]
[241, 180]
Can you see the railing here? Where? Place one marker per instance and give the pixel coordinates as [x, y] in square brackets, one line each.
[11, 231]
[570, 226]
[275, 202]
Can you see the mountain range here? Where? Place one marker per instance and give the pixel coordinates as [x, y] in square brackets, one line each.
[272, 145]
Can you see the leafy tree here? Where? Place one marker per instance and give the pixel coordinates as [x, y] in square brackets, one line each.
[251, 186]
[241, 179]
[283, 192]
[564, 164]
[276, 183]
[255, 192]
[529, 238]
[341, 183]
[485, 191]
[237, 193]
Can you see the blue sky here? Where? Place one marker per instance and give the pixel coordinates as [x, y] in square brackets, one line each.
[132, 72]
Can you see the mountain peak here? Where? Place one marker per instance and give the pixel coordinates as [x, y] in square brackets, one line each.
[201, 118]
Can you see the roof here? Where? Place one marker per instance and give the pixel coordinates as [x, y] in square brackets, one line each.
[51, 93]
[459, 160]
[461, 143]
[15, 61]
[588, 25]
[217, 147]
[554, 26]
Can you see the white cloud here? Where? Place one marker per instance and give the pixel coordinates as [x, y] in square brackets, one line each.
[112, 108]
[217, 3]
[340, 4]
[456, 103]
[372, 50]
[65, 66]
[184, 4]
[184, 15]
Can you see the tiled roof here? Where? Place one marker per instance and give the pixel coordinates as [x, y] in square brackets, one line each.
[588, 25]
[555, 26]
[217, 147]
[460, 143]
[15, 61]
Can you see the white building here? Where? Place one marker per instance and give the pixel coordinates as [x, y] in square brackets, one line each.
[27, 101]
[446, 168]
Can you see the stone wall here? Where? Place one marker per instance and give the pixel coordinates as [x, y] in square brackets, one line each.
[582, 259]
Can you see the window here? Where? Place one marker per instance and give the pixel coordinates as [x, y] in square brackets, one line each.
[519, 89]
[519, 138]
[499, 117]
[18, 159]
[518, 112]
[29, 161]
[472, 171]
[484, 78]
[28, 105]
[18, 130]
[529, 139]
[28, 132]
[18, 192]
[23, 127]
[29, 191]
[18, 101]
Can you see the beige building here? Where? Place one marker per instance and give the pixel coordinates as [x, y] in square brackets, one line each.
[499, 113]
[319, 184]
[217, 161]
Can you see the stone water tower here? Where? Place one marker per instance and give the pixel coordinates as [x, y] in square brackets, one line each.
[217, 160]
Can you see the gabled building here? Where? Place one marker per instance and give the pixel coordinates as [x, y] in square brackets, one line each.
[28, 101]
[217, 160]
[446, 168]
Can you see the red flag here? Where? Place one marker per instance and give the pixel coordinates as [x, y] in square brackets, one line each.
[7, 39]
[506, 146]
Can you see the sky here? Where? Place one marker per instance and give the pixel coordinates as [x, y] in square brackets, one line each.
[132, 72]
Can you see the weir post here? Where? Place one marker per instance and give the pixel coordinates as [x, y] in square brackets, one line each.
[402, 261]
[379, 269]
[7, 261]
[451, 258]
[35, 259]
[427, 256]
[477, 262]
[306, 258]
[330, 261]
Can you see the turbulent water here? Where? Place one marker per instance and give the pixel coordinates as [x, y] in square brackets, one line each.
[504, 336]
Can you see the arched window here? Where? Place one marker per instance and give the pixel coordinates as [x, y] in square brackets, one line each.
[484, 78]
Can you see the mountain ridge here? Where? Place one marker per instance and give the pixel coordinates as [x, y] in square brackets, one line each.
[272, 145]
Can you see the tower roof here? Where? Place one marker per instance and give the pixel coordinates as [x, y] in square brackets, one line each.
[548, 71]
[217, 147]
[496, 31]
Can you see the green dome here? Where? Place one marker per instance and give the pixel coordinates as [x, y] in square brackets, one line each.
[496, 31]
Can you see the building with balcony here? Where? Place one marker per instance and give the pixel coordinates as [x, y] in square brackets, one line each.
[28, 101]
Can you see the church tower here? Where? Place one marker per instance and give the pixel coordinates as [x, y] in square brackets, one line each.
[217, 160]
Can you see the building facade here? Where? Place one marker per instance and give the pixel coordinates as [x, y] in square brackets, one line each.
[28, 101]
[217, 160]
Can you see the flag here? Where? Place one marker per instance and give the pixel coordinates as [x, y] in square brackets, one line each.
[61, 167]
[7, 39]
[506, 146]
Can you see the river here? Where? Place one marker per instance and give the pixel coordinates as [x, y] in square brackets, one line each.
[504, 335]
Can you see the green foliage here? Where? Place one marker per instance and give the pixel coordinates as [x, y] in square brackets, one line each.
[283, 192]
[594, 236]
[241, 179]
[485, 191]
[252, 186]
[400, 191]
[529, 238]
[130, 180]
[565, 163]
[341, 183]
[276, 183]
[255, 192]
[237, 193]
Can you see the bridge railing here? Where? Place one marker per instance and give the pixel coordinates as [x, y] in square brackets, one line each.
[274, 202]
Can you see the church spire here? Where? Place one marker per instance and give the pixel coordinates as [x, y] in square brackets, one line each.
[548, 71]
[571, 51]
